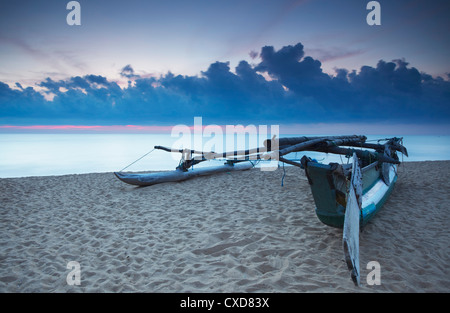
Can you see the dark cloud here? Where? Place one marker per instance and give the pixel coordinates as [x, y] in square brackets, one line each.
[334, 54]
[51, 85]
[253, 54]
[128, 72]
[303, 75]
[79, 82]
[298, 91]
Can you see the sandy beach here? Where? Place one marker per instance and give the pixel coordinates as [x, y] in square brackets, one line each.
[231, 232]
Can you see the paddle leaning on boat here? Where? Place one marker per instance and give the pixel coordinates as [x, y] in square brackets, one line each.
[346, 195]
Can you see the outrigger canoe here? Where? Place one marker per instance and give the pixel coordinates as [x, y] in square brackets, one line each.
[330, 184]
[148, 179]
[346, 195]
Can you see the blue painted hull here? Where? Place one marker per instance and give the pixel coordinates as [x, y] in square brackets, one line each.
[330, 192]
[148, 179]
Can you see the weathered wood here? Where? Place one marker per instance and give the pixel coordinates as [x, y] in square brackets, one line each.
[298, 147]
[317, 143]
[290, 162]
[187, 152]
[359, 153]
[289, 141]
[214, 155]
[148, 179]
[378, 147]
[350, 237]
[385, 167]
[394, 143]
[238, 153]
[327, 144]
[331, 146]
[177, 150]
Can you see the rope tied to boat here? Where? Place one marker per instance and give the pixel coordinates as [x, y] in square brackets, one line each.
[137, 160]
[284, 174]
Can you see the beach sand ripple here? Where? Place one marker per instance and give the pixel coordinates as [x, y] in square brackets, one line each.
[232, 232]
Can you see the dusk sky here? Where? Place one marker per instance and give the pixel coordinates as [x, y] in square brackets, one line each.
[264, 61]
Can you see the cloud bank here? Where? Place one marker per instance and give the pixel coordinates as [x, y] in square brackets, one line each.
[284, 87]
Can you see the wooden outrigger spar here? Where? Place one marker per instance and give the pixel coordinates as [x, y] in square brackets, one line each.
[346, 195]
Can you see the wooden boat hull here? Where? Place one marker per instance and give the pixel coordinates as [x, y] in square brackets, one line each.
[148, 179]
[330, 192]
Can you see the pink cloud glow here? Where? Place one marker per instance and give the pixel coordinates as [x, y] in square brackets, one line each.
[90, 128]
[291, 129]
[124, 128]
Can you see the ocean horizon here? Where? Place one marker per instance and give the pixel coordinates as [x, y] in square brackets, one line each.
[34, 154]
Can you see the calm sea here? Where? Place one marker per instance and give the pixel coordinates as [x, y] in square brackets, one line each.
[58, 154]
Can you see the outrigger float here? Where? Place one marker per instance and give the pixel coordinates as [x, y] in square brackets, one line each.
[346, 195]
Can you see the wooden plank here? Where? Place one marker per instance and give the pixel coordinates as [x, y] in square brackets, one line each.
[351, 222]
